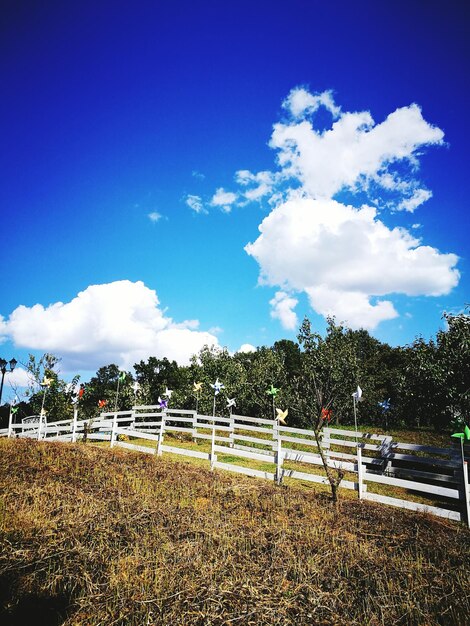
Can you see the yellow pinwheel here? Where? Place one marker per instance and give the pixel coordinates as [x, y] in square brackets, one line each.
[281, 416]
[197, 387]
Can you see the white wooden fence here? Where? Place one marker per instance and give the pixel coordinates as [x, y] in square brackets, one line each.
[440, 474]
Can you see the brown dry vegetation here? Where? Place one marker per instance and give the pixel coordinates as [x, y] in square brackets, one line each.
[93, 536]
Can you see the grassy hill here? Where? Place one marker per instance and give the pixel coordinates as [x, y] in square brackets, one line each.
[100, 537]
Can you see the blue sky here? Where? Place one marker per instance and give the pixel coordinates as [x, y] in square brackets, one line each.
[117, 116]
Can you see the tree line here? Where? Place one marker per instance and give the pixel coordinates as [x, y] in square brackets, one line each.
[423, 384]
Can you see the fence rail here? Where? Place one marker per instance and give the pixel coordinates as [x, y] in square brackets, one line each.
[438, 474]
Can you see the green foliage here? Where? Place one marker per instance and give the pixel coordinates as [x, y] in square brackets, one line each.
[58, 397]
[427, 382]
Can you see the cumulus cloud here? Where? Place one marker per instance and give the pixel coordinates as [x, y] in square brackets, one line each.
[345, 256]
[18, 378]
[342, 257]
[301, 102]
[282, 308]
[355, 152]
[119, 322]
[246, 348]
[223, 199]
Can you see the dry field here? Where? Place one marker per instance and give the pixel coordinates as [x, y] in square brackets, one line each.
[93, 536]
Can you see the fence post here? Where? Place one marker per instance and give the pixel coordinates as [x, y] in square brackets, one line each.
[194, 425]
[360, 477]
[160, 438]
[279, 459]
[465, 488]
[232, 430]
[113, 431]
[10, 424]
[213, 443]
[74, 424]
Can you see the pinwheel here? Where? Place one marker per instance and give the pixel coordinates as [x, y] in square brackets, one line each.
[197, 390]
[230, 404]
[81, 391]
[326, 415]
[465, 436]
[135, 387]
[121, 379]
[162, 404]
[273, 391]
[217, 386]
[102, 404]
[46, 383]
[13, 410]
[168, 393]
[357, 396]
[385, 406]
[43, 413]
[281, 416]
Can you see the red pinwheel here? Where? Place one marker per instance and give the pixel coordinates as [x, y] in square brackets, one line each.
[326, 414]
[102, 404]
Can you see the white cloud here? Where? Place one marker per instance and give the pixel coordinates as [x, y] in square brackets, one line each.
[301, 102]
[342, 257]
[283, 307]
[261, 183]
[195, 203]
[413, 202]
[246, 348]
[18, 378]
[154, 216]
[118, 322]
[354, 152]
[196, 174]
[223, 199]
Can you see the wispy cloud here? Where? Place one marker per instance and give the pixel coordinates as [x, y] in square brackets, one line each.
[154, 216]
[198, 175]
[223, 199]
[195, 204]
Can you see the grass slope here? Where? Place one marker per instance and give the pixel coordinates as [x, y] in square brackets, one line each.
[93, 536]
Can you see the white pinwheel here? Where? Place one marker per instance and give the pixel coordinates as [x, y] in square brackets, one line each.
[357, 395]
[217, 386]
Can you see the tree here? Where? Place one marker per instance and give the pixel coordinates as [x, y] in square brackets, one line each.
[58, 396]
[329, 372]
[104, 386]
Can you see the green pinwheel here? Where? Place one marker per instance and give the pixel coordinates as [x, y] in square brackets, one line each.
[273, 391]
[465, 436]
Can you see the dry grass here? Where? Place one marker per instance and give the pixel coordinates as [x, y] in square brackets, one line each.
[101, 537]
